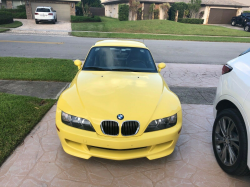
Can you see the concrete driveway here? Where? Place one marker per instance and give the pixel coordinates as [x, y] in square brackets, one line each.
[30, 27]
[237, 27]
[41, 161]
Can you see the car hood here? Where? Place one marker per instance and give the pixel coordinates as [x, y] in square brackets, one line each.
[104, 95]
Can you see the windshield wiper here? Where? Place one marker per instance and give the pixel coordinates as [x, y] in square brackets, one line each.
[95, 68]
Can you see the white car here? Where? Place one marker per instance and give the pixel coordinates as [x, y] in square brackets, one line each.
[45, 14]
[231, 130]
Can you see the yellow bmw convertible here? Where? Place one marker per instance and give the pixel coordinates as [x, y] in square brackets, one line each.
[118, 106]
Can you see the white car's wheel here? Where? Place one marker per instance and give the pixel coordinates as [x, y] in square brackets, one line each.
[230, 142]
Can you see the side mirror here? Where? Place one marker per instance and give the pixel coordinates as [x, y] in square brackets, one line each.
[161, 66]
[78, 63]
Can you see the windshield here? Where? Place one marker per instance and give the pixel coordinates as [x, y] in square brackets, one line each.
[246, 14]
[43, 10]
[120, 59]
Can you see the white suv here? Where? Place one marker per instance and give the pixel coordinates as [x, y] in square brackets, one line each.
[231, 130]
[45, 14]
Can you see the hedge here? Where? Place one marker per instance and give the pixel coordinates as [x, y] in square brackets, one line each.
[123, 12]
[246, 12]
[20, 12]
[181, 7]
[85, 19]
[19, 15]
[5, 17]
[191, 21]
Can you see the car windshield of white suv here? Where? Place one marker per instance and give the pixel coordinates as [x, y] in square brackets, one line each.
[119, 59]
[42, 10]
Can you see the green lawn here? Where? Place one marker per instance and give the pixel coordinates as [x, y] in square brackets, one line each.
[160, 37]
[3, 30]
[12, 25]
[15, 122]
[37, 69]
[156, 27]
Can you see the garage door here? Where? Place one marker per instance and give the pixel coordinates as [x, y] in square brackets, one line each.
[62, 10]
[221, 16]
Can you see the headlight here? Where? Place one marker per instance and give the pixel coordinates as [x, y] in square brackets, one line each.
[160, 124]
[77, 122]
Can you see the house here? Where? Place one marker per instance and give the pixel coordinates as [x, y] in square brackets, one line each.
[215, 11]
[246, 2]
[64, 8]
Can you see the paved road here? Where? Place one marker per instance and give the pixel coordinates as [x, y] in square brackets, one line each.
[163, 51]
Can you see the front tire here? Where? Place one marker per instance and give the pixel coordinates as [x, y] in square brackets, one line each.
[230, 142]
[233, 23]
[247, 28]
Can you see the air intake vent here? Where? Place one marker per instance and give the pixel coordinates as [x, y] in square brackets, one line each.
[110, 128]
[130, 128]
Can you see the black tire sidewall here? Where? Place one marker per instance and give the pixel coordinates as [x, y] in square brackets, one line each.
[240, 125]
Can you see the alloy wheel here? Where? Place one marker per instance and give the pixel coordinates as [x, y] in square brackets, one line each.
[227, 141]
[246, 28]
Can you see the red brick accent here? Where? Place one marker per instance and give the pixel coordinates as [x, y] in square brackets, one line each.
[28, 9]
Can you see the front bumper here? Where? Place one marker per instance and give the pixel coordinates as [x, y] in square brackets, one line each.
[44, 19]
[85, 144]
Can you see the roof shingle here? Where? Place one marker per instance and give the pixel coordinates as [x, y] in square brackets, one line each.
[205, 2]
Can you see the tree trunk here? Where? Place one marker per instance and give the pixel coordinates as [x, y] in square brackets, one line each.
[176, 16]
[82, 8]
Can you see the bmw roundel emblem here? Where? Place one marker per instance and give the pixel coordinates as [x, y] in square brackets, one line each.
[120, 116]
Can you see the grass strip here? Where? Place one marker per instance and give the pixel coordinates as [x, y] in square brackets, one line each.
[18, 116]
[37, 69]
[157, 27]
[15, 24]
[160, 37]
[3, 30]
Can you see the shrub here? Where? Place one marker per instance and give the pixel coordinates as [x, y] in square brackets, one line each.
[123, 12]
[246, 12]
[151, 10]
[156, 14]
[21, 15]
[5, 17]
[194, 7]
[181, 7]
[85, 19]
[20, 12]
[22, 8]
[201, 14]
[191, 20]
[79, 9]
[92, 3]
[165, 7]
[134, 6]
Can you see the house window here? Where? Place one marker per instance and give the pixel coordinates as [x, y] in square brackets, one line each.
[16, 3]
[3, 4]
